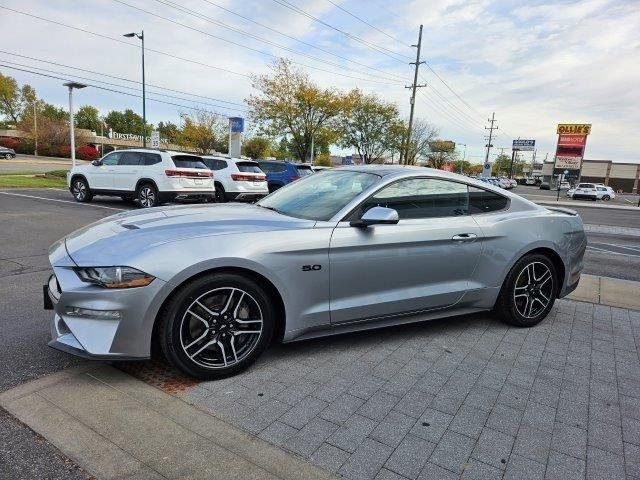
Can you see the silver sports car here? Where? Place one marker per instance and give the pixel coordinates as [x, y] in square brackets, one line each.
[343, 250]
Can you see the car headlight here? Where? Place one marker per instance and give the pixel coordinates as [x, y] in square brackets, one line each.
[114, 277]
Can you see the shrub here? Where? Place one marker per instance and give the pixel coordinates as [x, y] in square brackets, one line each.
[9, 142]
[87, 152]
[63, 151]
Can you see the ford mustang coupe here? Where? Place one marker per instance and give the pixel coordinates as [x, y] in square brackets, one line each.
[343, 250]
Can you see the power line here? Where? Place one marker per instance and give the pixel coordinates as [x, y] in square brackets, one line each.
[367, 23]
[435, 104]
[199, 15]
[371, 45]
[262, 52]
[119, 78]
[101, 35]
[291, 37]
[114, 91]
[124, 86]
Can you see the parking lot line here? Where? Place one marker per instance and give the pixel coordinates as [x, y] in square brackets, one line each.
[63, 201]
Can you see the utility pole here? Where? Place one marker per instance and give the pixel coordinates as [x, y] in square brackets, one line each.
[487, 170]
[413, 88]
[35, 128]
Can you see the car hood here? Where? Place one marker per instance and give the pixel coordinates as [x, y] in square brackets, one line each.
[113, 238]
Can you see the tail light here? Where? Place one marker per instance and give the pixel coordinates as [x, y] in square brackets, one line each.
[189, 173]
[239, 177]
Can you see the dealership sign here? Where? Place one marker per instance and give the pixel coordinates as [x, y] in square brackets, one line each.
[572, 139]
[524, 145]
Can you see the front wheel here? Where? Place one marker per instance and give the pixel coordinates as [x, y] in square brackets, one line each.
[8, 156]
[606, 198]
[80, 190]
[528, 292]
[216, 326]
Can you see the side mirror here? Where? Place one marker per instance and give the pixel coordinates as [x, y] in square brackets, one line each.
[97, 162]
[376, 216]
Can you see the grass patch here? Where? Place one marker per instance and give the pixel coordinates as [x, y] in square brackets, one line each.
[53, 179]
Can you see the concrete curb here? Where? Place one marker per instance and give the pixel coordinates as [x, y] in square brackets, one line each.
[116, 427]
[612, 292]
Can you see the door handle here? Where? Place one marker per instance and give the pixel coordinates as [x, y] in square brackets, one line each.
[464, 237]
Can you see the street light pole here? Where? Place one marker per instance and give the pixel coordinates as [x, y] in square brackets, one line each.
[144, 96]
[35, 128]
[464, 156]
[71, 86]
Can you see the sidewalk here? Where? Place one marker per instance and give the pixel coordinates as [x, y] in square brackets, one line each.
[117, 427]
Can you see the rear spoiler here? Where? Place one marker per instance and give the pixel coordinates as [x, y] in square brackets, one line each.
[568, 211]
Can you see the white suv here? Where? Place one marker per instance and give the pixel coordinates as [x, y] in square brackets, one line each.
[237, 178]
[151, 177]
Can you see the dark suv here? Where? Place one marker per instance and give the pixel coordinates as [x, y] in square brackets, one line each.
[7, 153]
[281, 173]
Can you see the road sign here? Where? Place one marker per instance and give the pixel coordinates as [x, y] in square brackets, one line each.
[155, 139]
[524, 145]
[236, 124]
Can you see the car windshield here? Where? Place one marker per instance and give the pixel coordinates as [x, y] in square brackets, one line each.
[319, 197]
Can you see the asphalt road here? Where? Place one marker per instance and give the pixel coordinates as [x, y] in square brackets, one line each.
[621, 199]
[32, 219]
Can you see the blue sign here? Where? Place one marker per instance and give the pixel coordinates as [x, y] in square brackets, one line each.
[236, 124]
[487, 166]
[524, 144]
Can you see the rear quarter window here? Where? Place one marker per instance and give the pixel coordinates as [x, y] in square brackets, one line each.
[188, 161]
[304, 170]
[483, 201]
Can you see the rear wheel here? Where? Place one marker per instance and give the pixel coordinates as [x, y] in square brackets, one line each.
[216, 326]
[80, 190]
[147, 195]
[8, 156]
[606, 198]
[220, 195]
[528, 292]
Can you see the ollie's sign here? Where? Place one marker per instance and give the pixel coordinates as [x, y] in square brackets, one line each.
[572, 138]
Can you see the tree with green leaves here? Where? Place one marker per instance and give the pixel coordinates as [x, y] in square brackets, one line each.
[367, 125]
[127, 122]
[440, 153]
[290, 104]
[502, 165]
[14, 100]
[169, 131]
[202, 131]
[256, 147]
[88, 117]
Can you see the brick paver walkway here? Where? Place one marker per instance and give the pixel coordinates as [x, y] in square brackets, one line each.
[467, 397]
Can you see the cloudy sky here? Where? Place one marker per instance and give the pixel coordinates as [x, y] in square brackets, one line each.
[534, 64]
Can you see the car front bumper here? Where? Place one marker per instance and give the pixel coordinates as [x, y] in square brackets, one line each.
[79, 325]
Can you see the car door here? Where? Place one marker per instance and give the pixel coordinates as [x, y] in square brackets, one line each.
[101, 176]
[127, 171]
[423, 262]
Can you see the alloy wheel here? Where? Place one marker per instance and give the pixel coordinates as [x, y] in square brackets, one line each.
[79, 190]
[534, 289]
[221, 327]
[147, 197]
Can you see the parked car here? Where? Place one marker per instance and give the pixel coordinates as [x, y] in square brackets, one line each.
[605, 193]
[586, 190]
[7, 153]
[236, 178]
[565, 185]
[530, 181]
[279, 173]
[570, 192]
[545, 186]
[211, 285]
[151, 177]
[320, 168]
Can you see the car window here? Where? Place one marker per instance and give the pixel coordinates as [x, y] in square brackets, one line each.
[188, 161]
[421, 198]
[483, 201]
[319, 197]
[273, 167]
[601, 189]
[111, 159]
[304, 170]
[251, 167]
[214, 163]
[151, 158]
[585, 185]
[130, 158]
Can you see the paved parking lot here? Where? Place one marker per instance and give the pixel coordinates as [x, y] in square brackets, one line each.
[462, 398]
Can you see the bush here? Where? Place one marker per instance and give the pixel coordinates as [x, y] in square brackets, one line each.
[87, 152]
[63, 151]
[9, 142]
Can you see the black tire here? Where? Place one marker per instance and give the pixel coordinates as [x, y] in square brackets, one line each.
[147, 195]
[8, 156]
[510, 304]
[80, 190]
[220, 195]
[606, 198]
[176, 325]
